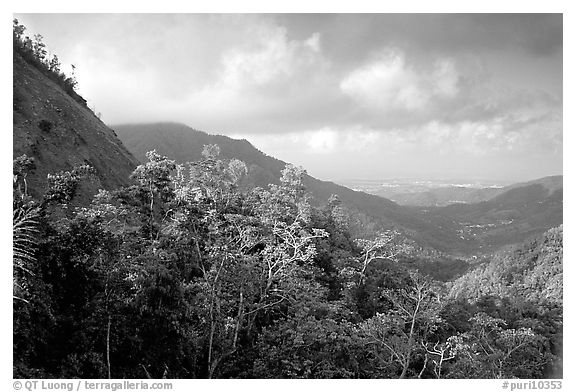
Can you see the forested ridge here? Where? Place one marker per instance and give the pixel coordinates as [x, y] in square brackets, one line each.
[519, 212]
[184, 275]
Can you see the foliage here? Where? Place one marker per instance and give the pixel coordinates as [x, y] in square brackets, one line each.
[186, 274]
[489, 350]
[25, 221]
[394, 338]
[532, 271]
[24, 229]
[63, 185]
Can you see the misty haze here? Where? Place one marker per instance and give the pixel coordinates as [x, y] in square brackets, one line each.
[288, 196]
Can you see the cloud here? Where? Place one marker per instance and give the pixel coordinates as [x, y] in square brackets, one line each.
[322, 141]
[275, 59]
[445, 78]
[385, 84]
[434, 147]
[257, 72]
[360, 91]
[256, 85]
[352, 36]
[390, 83]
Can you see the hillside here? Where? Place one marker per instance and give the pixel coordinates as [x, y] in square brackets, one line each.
[184, 144]
[59, 132]
[523, 211]
[441, 196]
[461, 229]
[551, 184]
[532, 271]
[446, 195]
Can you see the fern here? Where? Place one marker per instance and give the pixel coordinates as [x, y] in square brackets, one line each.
[24, 230]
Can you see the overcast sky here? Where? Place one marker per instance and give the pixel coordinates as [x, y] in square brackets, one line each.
[346, 96]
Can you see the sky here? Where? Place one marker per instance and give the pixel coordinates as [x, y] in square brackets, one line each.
[346, 96]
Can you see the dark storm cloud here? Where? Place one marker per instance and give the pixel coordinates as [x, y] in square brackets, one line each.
[350, 37]
[338, 85]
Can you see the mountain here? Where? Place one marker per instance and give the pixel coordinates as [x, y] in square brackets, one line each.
[440, 193]
[183, 144]
[517, 213]
[523, 210]
[551, 184]
[446, 195]
[59, 131]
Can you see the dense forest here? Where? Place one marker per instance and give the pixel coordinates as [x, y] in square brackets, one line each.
[184, 274]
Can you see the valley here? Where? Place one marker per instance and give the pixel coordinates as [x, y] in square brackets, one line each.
[154, 250]
[496, 214]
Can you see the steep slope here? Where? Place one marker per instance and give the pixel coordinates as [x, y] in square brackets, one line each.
[59, 132]
[183, 144]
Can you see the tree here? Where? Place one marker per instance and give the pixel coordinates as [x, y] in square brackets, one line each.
[254, 257]
[187, 274]
[17, 30]
[154, 179]
[39, 48]
[305, 346]
[394, 337]
[440, 352]
[489, 350]
[21, 166]
[62, 186]
[388, 245]
[35, 53]
[54, 64]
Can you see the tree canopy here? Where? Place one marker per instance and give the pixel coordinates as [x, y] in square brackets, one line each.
[184, 274]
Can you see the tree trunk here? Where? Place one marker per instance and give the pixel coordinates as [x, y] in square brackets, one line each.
[210, 344]
[108, 346]
[404, 369]
[410, 339]
[423, 367]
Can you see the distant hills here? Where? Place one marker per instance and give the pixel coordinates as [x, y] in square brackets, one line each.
[521, 211]
[446, 195]
[508, 216]
[426, 193]
[59, 132]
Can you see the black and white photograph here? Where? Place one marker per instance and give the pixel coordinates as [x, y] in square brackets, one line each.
[287, 196]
